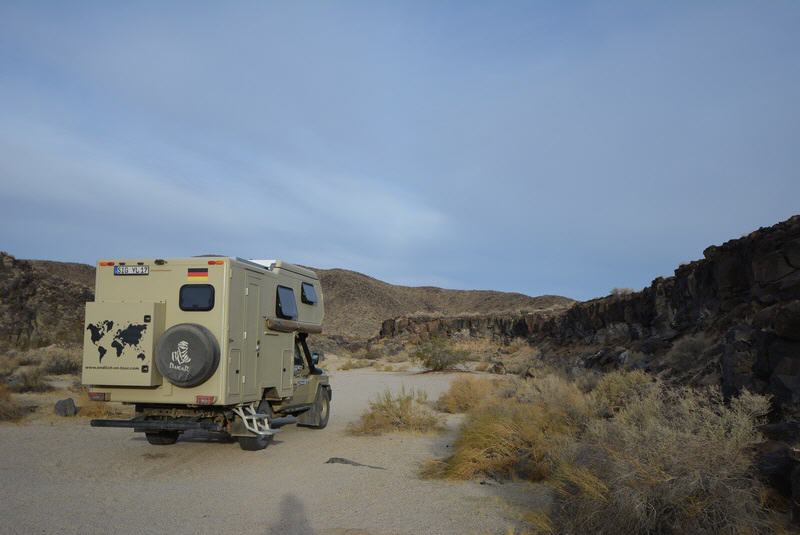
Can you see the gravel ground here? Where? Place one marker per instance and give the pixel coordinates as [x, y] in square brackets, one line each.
[62, 476]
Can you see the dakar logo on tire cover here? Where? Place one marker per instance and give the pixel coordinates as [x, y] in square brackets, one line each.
[180, 357]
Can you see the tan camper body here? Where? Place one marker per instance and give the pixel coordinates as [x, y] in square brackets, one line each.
[204, 334]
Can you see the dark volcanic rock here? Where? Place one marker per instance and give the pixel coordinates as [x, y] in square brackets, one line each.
[744, 296]
[39, 307]
[66, 407]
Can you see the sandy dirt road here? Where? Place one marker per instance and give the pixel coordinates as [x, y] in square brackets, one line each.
[66, 477]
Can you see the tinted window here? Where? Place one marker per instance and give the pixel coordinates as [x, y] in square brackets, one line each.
[286, 307]
[309, 294]
[197, 297]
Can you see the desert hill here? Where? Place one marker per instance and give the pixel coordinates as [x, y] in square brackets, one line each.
[356, 305]
[41, 302]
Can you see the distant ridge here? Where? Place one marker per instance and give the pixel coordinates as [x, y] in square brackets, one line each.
[42, 301]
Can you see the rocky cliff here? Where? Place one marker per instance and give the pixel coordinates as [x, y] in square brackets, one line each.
[42, 304]
[743, 298]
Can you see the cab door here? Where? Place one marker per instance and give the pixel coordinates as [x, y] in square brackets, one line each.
[251, 353]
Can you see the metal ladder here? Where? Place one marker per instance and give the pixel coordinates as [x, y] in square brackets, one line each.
[254, 421]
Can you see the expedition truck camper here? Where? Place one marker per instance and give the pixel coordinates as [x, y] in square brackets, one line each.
[210, 343]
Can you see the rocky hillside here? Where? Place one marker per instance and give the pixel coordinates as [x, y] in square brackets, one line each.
[736, 313]
[41, 302]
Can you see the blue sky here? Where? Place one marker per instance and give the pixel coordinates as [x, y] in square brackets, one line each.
[539, 147]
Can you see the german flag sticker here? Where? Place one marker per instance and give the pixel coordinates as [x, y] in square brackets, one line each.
[197, 274]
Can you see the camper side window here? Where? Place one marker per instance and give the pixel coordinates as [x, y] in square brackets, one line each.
[196, 297]
[308, 294]
[286, 307]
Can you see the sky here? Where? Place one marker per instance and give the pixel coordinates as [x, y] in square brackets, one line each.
[539, 147]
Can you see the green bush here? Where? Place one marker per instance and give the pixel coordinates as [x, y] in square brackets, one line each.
[438, 354]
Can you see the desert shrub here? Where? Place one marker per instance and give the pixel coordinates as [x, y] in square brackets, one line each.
[438, 354]
[404, 411]
[8, 365]
[354, 364]
[518, 432]
[464, 393]
[633, 456]
[687, 351]
[9, 409]
[63, 364]
[476, 349]
[369, 353]
[674, 462]
[482, 366]
[29, 360]
[387, 368]
[29, 380]
[616, 390]
[620, 292]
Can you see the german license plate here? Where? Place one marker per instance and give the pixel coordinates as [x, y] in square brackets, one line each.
[131, 270]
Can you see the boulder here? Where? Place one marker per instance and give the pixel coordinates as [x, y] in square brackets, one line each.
[66, 407]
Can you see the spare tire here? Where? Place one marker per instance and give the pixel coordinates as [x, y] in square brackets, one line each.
[187, 354]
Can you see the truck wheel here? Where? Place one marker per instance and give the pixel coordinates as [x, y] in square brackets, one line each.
[320, 412]
[254, 443]
[162, 438]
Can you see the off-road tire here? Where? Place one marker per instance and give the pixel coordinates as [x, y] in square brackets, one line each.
[320, 412]
[254, 443]
[162, 438]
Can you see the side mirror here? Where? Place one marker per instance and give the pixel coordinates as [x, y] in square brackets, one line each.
[315, 358]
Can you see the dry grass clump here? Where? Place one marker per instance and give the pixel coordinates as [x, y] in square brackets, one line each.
[404, 411]
[64, 364]
[8, 365]
[9, 408]
[439, 354]
[354, 364]
[30, 380]
[632, 456]
[464, 393]
[518, 432]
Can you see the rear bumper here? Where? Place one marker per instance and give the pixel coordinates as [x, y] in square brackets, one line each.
[176, 424]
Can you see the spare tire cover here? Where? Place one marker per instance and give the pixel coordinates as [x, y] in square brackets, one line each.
[187, 354]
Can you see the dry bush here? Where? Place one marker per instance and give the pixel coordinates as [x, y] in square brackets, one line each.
[518, 432]
[404, 411]
[616, 390]
[8, 365]
[464, 393]
[9, 409]
[476, 349]
[387, 368]
[29, 359]
[369, 353]
[64, 364]
[633, 456]
[438, 354]
[674, 462]
[482, 366]
[351, 364]
[688, 350]
[621, 292]
[30, 380]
